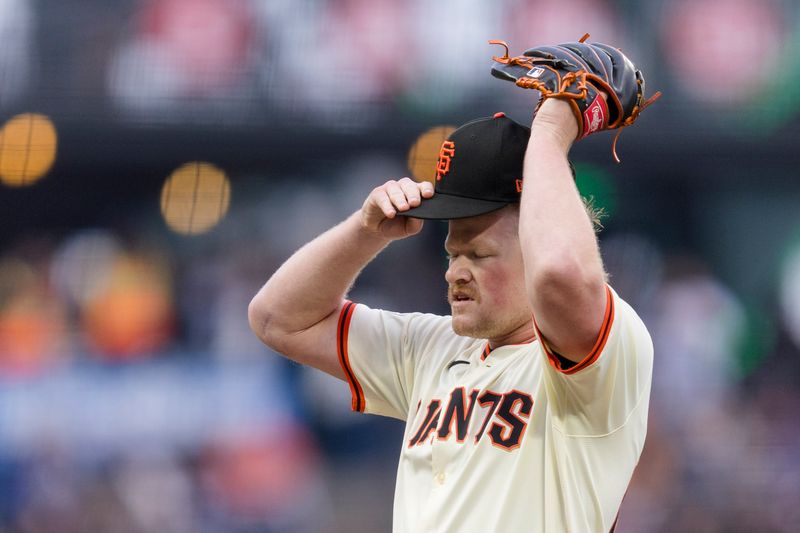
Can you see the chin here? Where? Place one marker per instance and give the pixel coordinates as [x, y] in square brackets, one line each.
[460, 327]
[465, 328]
[484, 326]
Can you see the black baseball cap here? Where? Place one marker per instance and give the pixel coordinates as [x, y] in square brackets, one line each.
[479, 170]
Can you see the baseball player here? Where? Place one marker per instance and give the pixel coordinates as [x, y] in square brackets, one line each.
[526, 408]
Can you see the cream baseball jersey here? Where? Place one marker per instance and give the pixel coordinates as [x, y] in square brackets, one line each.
[504, 440]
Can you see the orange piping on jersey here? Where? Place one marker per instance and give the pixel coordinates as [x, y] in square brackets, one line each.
[597, 349]
[486, 352]
[342, 330]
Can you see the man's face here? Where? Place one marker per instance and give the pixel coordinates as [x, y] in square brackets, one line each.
[486, 280]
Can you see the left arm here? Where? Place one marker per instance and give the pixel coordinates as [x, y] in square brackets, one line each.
[564, 275]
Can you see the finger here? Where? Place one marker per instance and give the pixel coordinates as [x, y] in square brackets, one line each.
[381, 199]
[396, 195]
[426, 189]
[411, 191]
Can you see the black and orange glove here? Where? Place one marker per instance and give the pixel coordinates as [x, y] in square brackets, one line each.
[578, 72]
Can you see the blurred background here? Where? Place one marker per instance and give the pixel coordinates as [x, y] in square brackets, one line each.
[160, 158]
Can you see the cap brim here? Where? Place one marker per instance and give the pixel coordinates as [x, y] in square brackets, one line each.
[446, 207]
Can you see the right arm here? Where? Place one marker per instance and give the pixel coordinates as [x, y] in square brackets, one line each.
[297, 310]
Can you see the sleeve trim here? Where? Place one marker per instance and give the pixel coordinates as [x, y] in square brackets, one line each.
[342, 331]
[597, 349]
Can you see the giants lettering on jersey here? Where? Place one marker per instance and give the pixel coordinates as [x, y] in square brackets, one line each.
[503, 417]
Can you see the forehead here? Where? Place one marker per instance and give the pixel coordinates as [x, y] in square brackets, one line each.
[496, 226]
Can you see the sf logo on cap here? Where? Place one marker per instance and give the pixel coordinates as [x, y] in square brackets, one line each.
[447, 152]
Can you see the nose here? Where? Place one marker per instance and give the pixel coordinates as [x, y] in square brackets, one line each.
[457, 272]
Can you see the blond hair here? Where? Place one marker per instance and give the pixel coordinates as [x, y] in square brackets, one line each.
[596, 214]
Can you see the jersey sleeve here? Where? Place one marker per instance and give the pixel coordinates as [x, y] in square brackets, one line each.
[379, 352]
[601, 393]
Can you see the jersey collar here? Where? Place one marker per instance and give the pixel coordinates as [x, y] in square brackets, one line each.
[488, 350]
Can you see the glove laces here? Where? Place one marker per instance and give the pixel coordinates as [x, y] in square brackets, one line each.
[631, 119]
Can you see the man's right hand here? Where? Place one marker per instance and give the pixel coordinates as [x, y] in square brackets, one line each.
[379, 214]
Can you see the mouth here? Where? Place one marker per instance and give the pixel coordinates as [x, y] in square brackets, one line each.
[459, 298]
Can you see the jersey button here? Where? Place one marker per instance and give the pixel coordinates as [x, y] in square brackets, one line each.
[440, 478]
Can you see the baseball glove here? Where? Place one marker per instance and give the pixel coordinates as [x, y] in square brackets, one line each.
[578, 72]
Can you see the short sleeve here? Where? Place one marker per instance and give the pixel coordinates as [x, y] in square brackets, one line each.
[379, 353]
[601, 393]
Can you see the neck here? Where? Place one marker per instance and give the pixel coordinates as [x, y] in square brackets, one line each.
[522, 334]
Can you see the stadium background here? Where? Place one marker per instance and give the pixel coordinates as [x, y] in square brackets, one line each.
[160, 158]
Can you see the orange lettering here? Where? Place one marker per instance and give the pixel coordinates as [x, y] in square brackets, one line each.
[447, 152]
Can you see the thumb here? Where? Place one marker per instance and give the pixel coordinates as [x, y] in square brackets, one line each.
[413, 226]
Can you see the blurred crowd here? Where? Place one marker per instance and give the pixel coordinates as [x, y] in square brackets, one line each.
[134, 398]
[347, 64]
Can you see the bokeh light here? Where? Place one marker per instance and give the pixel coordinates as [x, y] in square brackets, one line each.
[195, 198]
[32, 319]
[132, 316]
[27, 149]
[424, 153]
